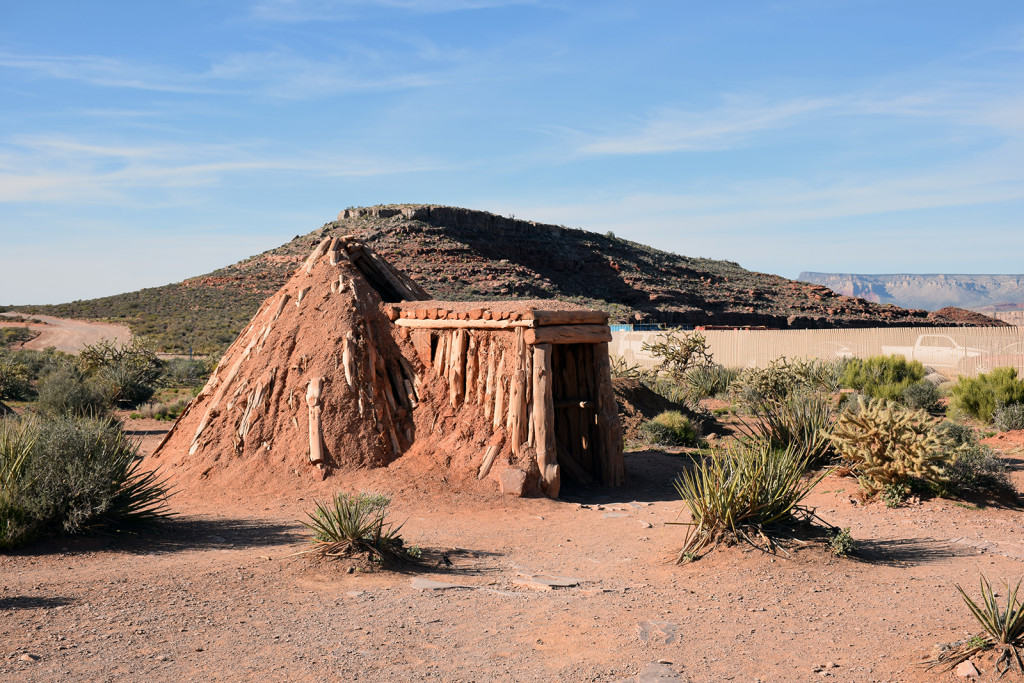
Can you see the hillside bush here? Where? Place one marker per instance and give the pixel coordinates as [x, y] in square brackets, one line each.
[1009, 418]
[980, 396]
[889, 445]
[185, 372]
[126, 373]
[882, 377]
[775, 382]
[78, 474]
[670, 428]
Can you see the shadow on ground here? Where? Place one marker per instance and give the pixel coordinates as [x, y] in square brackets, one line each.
[649, 477]
[903, 552]
[13, 602]
[178, 534]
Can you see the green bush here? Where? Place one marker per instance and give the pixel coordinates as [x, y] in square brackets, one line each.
[66, 391]
[1009, 418]
[741, 493]
[679, 353]
[185, 372]
[1002, 630]
[127, 373]
[162, 411]
[14, 379]
[922, 395]
[980, 396]
[670, 428]
[975, 468]
[79, 474]
[709, 380]
[357, 523]
[885, 377]
[775, 382]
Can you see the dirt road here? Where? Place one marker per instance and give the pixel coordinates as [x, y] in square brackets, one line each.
[69, 335]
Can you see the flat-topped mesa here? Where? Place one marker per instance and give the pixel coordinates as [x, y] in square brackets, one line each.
[352, 364]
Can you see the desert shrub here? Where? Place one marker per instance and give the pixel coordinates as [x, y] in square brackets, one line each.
[67, 391]
[14, 335]
[16, 443]
[621, 368]
[980, 396]
[882, 376]
[974, 467]
[741, 493]
[352, 524]
[754, 386]
[14, 379]
[127, 373]
[799, 420]
[678, 353]
[709, 380]
[922, 395]
[1002, 628]
[889, 445]
[162, 411]
[676, 393]
[80, 474]
[819, 374]
[670, 428]
[185, 372]
[841, 543]
[1009, 418]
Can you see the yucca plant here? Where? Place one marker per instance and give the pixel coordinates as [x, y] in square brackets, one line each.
[800, 420]
[356, 523]
[1002, 628]
[740, 493]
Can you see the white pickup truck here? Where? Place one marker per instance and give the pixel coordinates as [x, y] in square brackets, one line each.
[937, 351]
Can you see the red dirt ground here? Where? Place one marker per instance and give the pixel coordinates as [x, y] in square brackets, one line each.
[218, 595]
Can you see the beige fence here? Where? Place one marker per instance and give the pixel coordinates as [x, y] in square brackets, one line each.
[950, 351]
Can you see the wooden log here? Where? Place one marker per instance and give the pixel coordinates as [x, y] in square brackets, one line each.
[332, 251]
[488, 399]
[471, 367]
[487, 315]
[445, 324]
[317, 253]
[316, 442]
[476, 314]
[348, 358]
[421, 314]
[571, 387]
[497, 441]
[457, 371]
[573, 317]
[391, 312]
[431, 314]
[516, 408]
[569, 334]
[482, 349]
[421, 343]
[499, 393]
[609, 430]
[544, 421]
[438, 365]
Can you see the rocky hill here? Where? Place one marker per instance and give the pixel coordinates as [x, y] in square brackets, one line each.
[461, 254]
[931, 292]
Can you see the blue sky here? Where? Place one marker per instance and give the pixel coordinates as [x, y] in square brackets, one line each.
[142, 142]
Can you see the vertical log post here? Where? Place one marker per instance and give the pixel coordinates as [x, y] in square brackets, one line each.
[609, 431]
[544, 421]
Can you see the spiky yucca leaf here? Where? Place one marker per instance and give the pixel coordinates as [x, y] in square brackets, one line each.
[354, 523]
[1002, 628]
[741, 491]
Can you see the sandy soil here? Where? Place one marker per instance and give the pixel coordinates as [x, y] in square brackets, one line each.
[219, 596]
[71, 335]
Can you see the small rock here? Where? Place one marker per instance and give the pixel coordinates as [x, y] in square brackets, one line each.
[512, 481]
[615, 514]
[967, 670]
[646, 525]
[161, 658]
[28, 657]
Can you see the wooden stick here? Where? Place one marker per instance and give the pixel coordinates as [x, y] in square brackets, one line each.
[497, 441]
[464, 324]
[499, 393]
[471, 367]
[544, 421]
[570, 317]
[316, 441]
[457, 374]
[569, 334]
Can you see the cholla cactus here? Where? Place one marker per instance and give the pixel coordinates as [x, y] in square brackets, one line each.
[888, 444]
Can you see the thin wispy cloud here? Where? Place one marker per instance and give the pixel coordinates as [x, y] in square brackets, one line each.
[46, 169]
[299, 11]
